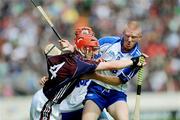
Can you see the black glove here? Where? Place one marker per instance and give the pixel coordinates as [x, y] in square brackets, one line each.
[136, 61]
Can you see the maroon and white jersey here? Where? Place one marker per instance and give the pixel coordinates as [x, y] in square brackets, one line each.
[64, 72]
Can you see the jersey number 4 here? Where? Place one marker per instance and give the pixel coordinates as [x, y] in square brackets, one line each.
[54, 69]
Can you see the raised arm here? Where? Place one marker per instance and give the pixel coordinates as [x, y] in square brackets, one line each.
[116, 64]
[119, 64]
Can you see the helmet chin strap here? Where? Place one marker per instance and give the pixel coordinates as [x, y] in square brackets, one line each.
[80, 52]
[86, 52]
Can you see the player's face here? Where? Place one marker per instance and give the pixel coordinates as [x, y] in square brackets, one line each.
[131, 37]
[90, 52]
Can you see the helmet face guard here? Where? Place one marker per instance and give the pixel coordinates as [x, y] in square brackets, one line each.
[87, 44]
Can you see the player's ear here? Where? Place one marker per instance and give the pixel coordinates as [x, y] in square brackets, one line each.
[140, 37]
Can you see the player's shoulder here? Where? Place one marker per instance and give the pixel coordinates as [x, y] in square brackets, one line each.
[109, 40]
[136, 51]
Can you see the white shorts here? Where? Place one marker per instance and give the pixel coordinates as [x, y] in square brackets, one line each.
[37, 104]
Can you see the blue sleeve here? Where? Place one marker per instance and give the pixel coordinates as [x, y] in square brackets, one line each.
[109, 40]
[127, 74]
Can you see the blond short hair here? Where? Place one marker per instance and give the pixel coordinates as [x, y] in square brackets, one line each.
[135, 26]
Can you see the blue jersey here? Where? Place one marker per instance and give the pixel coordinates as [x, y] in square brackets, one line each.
[110, 49]
[74, 101]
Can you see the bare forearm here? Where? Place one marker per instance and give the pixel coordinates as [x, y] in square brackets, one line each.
[117, 64]
[112, 80]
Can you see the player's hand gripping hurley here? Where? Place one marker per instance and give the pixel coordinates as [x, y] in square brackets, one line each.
[138, 92]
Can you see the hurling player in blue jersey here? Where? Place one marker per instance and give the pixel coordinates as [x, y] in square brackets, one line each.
[113, 98]
[64, 72]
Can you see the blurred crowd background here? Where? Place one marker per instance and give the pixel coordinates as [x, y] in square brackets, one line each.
[24, 32]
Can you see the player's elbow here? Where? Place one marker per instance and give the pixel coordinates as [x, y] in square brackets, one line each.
[123, 79]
